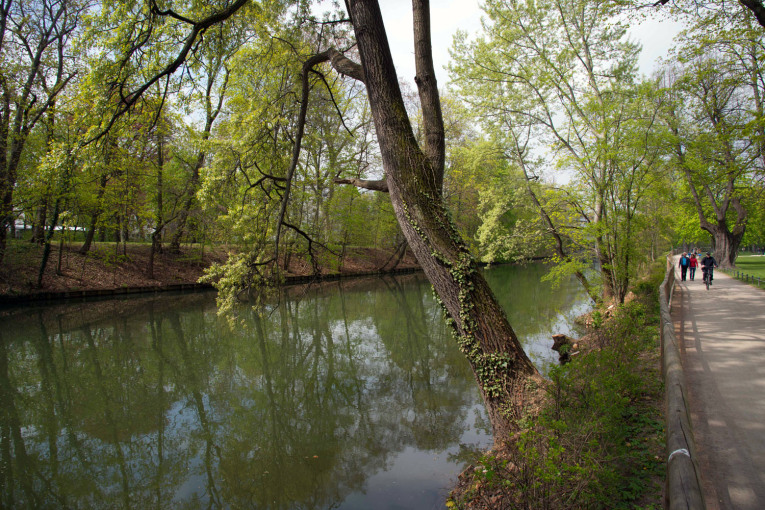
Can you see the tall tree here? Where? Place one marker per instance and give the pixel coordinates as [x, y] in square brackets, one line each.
[716, 121]
[561, 74]
[210, 91]
[35, 67]
[413, 178]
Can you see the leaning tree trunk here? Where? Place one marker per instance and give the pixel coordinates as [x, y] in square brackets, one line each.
[414, 179]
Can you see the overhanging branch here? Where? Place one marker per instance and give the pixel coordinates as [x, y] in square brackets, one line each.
[197, 29]
[341, 64]
[378, 185]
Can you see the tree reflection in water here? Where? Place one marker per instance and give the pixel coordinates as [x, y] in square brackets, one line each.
[158, 403]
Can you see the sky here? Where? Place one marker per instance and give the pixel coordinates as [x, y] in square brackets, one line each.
[448, 16]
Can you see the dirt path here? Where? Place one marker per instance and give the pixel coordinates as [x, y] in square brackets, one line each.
[721, 333]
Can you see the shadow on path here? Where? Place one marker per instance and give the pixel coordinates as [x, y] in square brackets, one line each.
[721, 335]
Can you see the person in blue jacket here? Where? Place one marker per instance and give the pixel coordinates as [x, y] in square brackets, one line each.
[684, 263]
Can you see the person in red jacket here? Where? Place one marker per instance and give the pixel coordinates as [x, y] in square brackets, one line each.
[694, 263]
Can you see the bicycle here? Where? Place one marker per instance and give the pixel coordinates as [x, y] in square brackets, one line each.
[707, 277]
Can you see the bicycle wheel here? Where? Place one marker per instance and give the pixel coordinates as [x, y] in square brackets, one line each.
[706, 280]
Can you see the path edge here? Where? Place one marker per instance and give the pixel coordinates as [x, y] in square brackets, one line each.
[683, 478]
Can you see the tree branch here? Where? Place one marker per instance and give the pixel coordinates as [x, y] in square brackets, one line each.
[757, 9]
[197, 28]
[344, 66]
[427, 86]
[381, 185]
[311, 242]
[169, 12]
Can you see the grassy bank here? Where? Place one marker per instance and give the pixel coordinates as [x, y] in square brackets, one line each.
[598, 441]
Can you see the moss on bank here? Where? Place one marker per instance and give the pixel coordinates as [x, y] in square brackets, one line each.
[598, 440]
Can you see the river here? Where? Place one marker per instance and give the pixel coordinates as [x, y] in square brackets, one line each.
[348, 395]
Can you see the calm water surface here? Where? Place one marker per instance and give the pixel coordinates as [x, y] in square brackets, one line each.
[349, 395]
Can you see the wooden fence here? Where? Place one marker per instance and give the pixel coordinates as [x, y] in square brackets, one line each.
[683, 484]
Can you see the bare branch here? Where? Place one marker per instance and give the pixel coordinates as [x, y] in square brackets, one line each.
[330, 22]
[380, 185]
[198, 28]
[344, 66]
[311, 242]
[334, 102]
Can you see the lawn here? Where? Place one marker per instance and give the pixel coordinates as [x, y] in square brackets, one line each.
[753, 265]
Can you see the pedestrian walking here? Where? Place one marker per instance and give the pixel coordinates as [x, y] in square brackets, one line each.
[685, 262]
[694, 263]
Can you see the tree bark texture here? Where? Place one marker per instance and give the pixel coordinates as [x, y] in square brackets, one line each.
[505, 374]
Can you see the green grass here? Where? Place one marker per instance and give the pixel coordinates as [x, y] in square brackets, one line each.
[751, 265]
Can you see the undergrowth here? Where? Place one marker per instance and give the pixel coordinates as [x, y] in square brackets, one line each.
[598, 441]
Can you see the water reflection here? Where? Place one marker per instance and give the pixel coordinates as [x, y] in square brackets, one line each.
[536, 309]
[352, 395]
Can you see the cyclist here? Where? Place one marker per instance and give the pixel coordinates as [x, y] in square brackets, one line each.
[707, 265]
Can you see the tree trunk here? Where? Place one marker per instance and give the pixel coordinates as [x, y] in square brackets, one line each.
[91, 233]
[175, 244]
[156, 236]
[47, 245]
[96, 214]
[7, 184]
[485, 336]
[38, 229]
[725, 241]
[211, 115]
[155, 244]
[726, 245]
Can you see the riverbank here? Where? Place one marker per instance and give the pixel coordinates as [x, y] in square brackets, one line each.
[598, 440]
[108, 269]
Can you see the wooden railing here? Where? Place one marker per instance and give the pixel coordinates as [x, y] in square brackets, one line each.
[683, 484]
